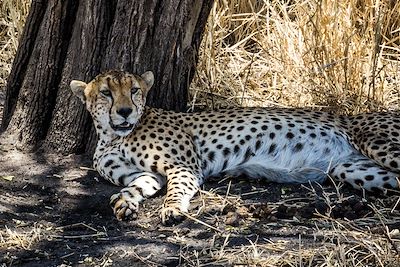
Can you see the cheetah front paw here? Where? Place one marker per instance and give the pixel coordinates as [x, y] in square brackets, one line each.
[124, 206]
[171, 216]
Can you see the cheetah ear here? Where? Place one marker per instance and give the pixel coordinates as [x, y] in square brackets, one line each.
[148, 77]
[78, 88]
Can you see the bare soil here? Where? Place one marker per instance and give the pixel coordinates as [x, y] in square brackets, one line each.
[68, 207]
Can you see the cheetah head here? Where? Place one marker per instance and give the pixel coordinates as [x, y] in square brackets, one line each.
[115, 99]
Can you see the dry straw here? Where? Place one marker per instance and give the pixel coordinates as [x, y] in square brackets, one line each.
[12, 19]
[342, 55]
[321, 241]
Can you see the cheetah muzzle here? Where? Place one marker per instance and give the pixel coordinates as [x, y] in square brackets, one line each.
[124, 127]
[144, 149]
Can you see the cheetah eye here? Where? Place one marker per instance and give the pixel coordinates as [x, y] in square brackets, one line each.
[134, 90]
[106, 93]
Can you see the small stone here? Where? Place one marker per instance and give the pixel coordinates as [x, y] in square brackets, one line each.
[232, 219]
[228, 208]
[262, 211]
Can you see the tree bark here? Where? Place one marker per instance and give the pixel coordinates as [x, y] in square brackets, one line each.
[77, 39]
[21, 59]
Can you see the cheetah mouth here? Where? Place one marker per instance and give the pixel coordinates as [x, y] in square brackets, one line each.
[123, 127]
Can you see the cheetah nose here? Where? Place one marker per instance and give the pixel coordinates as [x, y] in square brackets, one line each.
[124, 112]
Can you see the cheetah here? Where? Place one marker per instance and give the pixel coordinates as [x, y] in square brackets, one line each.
[144, 149]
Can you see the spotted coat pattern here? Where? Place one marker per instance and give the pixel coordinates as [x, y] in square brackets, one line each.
[144, 149]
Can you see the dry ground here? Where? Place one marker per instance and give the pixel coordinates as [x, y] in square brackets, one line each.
[54, 212]
[325, 54]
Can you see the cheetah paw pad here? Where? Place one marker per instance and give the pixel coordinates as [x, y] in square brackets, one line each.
[124, 207]
[171, 216]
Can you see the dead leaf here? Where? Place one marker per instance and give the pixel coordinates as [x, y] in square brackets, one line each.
[7, 177]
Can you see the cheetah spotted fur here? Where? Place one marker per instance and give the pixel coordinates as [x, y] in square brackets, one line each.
[144, 149]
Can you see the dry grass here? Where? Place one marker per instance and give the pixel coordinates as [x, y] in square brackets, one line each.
[12, 19]
[15, 238]
[322, 241]
[342, 55]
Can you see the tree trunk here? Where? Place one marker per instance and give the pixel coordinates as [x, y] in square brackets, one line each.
[77, 39]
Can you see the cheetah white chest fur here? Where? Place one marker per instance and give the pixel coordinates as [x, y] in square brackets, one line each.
[144, 149]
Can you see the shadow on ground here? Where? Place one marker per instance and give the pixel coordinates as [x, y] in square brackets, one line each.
[54, 212]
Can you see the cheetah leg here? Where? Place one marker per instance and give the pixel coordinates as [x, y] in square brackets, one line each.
[387, 155]
[126, 203]
[364, 173]
[182, 185]
[383, 147]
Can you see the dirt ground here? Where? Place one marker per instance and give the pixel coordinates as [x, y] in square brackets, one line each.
[54, 211]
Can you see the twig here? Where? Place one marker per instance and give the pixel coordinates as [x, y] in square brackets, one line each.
[78, 236]
[201, 222]
[67, 255]
[77, 224]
